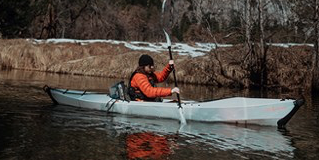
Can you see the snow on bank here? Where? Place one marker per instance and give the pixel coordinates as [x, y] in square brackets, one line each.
[198, 49]
[287, 45]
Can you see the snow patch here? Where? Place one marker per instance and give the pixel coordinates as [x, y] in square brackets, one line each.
[287, 45]
[196, 50]
[199, 49]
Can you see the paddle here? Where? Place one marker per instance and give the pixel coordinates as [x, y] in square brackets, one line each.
[182, 118]
[169, 44]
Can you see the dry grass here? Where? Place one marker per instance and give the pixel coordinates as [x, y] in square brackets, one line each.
[287, 67]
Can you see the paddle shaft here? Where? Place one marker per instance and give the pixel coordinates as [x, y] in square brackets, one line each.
[174, 75]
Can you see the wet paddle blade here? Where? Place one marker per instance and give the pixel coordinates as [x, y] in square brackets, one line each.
[182, 118]
[167, 39]
[163, 6]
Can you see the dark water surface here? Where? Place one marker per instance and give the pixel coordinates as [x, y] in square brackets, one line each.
[32, 128]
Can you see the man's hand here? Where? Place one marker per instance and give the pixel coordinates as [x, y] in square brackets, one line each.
[175, 90]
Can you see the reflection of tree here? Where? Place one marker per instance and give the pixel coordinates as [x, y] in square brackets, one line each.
[148, 145]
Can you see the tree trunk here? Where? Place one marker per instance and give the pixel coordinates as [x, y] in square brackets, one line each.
[262, 56]
[249, 59]
[315, 67]
[317, 32]
[248, 28]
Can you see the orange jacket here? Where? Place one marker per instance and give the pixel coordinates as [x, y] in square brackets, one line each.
[141, 82]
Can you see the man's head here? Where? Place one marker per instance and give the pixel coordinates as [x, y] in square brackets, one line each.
[147, 63]
[146, 60]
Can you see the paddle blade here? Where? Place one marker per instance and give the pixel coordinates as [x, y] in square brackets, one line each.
[182, 118]
[167, 39]
[163, 6]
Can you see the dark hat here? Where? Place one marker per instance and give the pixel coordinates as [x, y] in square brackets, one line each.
[145, 60]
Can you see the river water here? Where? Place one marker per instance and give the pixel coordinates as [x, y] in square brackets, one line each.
[31, 127]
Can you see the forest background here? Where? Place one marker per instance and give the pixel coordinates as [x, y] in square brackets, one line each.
[251, 25]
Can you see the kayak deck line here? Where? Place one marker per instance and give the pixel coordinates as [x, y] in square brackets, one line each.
[261, 111]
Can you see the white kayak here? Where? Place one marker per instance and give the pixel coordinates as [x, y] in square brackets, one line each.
[261, 111]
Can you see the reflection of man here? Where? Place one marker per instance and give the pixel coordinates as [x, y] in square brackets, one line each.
[147, 145]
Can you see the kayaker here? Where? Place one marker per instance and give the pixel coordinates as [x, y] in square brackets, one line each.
[142, 82]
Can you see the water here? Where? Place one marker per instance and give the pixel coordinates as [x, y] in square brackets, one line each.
[32, 128]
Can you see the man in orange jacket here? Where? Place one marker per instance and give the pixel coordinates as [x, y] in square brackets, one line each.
[142, 82]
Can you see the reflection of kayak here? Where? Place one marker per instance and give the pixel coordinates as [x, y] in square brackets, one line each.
[219, 135]
[239, 110]
[240, 139]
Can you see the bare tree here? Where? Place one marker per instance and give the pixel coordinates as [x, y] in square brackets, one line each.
[262, 51]
[315, 67]
[248, 32]
[49, 22]
[59, 16]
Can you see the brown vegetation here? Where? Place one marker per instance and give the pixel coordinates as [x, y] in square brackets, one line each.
[288, 68]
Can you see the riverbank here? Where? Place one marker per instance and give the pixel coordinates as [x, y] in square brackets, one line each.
[288, 67]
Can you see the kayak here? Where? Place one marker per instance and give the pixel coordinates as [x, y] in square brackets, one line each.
[261, 111]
